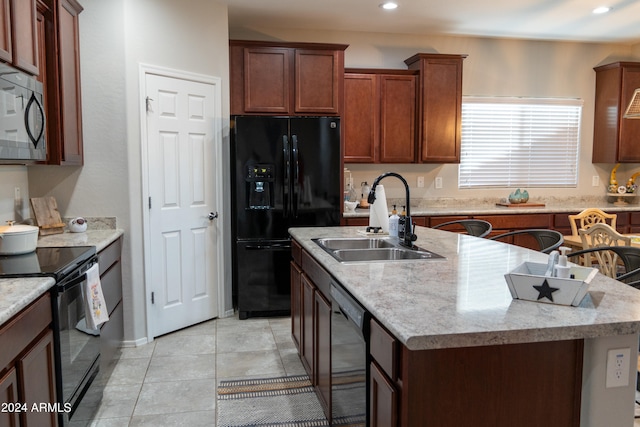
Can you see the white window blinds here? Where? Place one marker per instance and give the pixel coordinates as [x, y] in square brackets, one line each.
[525, 142]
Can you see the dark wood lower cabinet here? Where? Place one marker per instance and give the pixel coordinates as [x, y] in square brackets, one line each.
[27, 372]
[37, 382]
[383, 399]
[308, 323]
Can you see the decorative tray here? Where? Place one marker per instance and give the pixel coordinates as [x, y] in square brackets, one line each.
[528, 282]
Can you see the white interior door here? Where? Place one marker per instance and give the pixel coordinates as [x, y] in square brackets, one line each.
[183, 242]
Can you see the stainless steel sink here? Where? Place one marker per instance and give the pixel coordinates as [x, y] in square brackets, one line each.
[357, 243]
[373, 250]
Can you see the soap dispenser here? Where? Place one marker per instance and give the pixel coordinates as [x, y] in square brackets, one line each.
[393, 222]
[402, 219]
[562, 269]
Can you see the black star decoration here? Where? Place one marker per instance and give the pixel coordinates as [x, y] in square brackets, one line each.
[545, 290]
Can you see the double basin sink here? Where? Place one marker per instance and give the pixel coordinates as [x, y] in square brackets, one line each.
[373, 250]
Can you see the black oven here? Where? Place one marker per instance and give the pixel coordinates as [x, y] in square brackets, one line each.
[77, 346]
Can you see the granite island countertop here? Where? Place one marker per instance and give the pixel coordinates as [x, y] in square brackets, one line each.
[464, 300]
[18, 293]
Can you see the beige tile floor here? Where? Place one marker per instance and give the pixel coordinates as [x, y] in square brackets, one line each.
[172, 381]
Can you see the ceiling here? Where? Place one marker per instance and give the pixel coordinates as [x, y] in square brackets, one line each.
[568, 20]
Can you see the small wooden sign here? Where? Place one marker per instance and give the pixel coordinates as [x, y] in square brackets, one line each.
[47, 215]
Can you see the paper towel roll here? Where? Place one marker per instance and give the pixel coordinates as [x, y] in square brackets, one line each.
[378, 211]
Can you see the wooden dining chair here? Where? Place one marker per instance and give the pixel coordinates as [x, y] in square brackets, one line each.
[598, 236]
[589, 217]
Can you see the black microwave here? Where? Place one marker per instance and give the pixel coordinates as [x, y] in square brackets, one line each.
[22, 118]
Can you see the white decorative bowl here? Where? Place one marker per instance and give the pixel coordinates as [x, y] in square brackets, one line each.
[350, 206]
[527, 282]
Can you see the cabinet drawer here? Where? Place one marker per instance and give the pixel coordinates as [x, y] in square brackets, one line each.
[296, 252]
[515, 222]
[109, 255]
[383, 348]
[317, 274]
[23, 328]
[111, 283]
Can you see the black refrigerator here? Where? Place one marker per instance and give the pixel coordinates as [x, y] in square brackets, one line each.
[285, 173]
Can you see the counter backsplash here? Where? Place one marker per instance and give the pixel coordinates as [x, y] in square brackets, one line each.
[451, 202]
[93, 223]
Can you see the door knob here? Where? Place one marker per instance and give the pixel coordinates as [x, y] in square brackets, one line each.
[213, 215]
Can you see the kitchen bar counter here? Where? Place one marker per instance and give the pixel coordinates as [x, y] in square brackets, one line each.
[531, 363]
[464, 301]
[17, 293]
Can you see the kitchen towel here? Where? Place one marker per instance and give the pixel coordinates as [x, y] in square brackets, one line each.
[96, 312]
[378, 211]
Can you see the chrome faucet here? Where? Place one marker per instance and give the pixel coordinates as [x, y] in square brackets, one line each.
[408, 237]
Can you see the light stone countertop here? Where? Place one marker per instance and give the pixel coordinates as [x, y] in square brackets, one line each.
[18, 293]
[464, 300]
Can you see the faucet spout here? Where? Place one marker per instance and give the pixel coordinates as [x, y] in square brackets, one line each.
[408, 237]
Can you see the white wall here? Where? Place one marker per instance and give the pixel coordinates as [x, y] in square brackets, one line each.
[10, 178]
[494, 67]
[189, 35]
[116, 36]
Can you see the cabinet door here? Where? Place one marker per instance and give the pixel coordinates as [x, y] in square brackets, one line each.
[25, 41]
[306, 347]
[383, 399]
[296, 305]
[37, 381]
[317, 81]
[361, 118]
[397, 118]
[69, 75]
[9, 395]
[6, 53]
[267, 80]
[323, 351]
[441, 111]
[629, 129]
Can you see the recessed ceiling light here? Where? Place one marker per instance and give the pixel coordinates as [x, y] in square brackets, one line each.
[601, 10]
[389, 5]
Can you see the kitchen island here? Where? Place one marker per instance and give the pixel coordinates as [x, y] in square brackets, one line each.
[449, 345]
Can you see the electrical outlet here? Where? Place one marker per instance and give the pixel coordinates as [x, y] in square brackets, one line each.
[16, 194]
[618, 361]
[421, 182]
[595, 181]
[438, 182]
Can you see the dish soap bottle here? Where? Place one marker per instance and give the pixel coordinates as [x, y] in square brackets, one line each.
[401, 222]
[393, 222]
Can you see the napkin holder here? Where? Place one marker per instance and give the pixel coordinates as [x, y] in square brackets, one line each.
[527, 282]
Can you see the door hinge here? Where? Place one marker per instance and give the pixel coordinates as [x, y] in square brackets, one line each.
[149, 202]
[153, 299]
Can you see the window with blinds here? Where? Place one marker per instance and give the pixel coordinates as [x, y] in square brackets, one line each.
[519, 142]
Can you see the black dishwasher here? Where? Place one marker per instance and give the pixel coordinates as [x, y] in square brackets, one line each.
[349, 367]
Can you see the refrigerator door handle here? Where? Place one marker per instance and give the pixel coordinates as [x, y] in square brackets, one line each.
[296, 175]
[287, 175]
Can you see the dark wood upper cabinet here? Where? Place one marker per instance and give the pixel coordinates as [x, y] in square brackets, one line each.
[6, 51]
[615, 139]
[379, 116]
[18, 35]
[59, 53]
[286, 78]
[439, 106]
